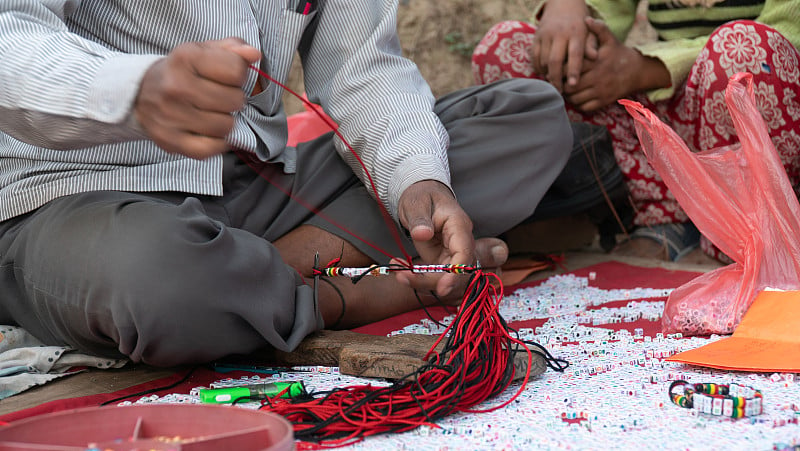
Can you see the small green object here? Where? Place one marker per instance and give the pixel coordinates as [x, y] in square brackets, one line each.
[252, 392]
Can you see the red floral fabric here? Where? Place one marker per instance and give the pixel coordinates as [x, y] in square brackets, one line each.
[696, 111]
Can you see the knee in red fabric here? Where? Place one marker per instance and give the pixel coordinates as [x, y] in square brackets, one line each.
[748, 46]
[504, 52]
[758, 27]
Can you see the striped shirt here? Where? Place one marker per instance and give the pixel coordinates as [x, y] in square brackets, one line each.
[70, 71]
[674, 20]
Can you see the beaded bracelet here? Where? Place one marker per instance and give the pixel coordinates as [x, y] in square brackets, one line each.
[733, 400]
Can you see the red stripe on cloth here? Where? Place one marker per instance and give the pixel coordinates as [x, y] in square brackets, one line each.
[200, 377]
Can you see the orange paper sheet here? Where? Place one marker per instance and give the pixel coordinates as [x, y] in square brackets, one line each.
[766, 340]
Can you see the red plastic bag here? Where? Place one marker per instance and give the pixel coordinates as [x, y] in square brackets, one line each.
[740, 198]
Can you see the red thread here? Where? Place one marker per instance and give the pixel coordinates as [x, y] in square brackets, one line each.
[260, 166]
[476, 364]
[386, 216]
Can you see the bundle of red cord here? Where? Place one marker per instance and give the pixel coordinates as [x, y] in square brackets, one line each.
[476, 364]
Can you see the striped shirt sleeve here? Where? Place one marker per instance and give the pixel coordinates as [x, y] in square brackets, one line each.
[382, 104]
[78, 91]
[70, 71]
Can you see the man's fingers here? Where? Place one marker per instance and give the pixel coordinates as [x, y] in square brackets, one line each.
[213, 125]
[186, 100]
[457, 239]
[202, 147]
[181, 91]
[189, 144]
[438, 283]
[493, 252]
[237, 45]
[446, 284]
[585, 101]
[417, 217]
[441, 230]
[418, 281]
[191, 119]
[220, 65]
[210, 96]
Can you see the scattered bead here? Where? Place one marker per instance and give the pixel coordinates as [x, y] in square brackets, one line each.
[614, 394]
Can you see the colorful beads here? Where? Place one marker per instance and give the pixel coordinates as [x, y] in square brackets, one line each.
[733, 400]
[374, 270]
[584, 408]
[382, 270]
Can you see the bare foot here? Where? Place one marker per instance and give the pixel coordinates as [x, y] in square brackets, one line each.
[642, 248]
[376, 298]
[698, 257]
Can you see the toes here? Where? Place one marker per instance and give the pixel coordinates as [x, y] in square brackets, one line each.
[641, 248]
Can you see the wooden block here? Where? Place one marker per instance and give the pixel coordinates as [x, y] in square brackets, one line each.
[374, 356]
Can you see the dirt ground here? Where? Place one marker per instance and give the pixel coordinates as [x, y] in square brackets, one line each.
[439, 37]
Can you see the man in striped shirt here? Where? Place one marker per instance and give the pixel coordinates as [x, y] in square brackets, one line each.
[128, 225]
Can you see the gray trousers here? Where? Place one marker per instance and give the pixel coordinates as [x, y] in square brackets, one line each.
[171, 278]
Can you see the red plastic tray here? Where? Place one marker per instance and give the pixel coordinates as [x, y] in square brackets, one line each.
[184, 427]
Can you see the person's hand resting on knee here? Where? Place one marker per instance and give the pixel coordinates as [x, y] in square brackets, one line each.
[618, 72]
[563, 43]
[583, 60]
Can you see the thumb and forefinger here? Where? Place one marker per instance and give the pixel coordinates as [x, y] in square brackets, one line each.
[440, 230]
[240, 47]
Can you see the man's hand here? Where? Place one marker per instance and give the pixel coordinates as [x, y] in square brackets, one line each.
[441, 232]
[562, 42]
[186, 100]
[616, 73]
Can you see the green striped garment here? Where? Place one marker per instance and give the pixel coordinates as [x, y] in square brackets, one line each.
[673, 20]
